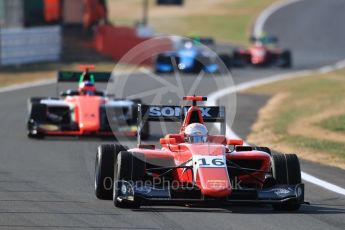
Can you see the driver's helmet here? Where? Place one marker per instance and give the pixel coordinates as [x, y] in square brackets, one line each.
[196, 133]
[263, 39]
[87, 88]
[188, 45]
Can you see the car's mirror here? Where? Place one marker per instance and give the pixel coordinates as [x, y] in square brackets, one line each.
[234, 142]
[169, 141]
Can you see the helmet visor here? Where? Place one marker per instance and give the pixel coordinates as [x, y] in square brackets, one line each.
[88, 92]
[196, 139]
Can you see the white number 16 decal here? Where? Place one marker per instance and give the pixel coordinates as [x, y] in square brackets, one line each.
[209, 161]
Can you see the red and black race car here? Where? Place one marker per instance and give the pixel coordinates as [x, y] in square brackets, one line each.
[83, 112]
[195, 167]
[262, 53]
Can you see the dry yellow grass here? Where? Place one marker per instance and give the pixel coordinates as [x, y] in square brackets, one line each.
[309, 127]
[7, 79]
[290, 120]
[119, 9]
[226, 20]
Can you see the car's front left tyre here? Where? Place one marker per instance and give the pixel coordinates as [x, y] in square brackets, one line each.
[286, 170]
[37, 115]
[286, 59]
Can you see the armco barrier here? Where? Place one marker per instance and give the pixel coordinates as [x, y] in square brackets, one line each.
[117, 41]
[19, 45]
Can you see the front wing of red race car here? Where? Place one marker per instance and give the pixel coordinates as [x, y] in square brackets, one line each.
[278, 194]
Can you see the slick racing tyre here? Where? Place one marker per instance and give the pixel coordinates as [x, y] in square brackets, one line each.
[226, 59]
[37, 115]
[129, 168]
[286, 59]
[286, 170]
[36, 99]
[168, 60]
[38, 112]
[240, 60]
[104, 170]
[263, 149]
[199, 64]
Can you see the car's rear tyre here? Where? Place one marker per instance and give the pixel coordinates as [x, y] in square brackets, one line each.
[69, 93]
[226, 59]
[286, 58]
[286, 170]
[263, 149]
[239, 60]
[104, 170]
[36, 99]
[167, 60]
[130, 167]
[199, 64]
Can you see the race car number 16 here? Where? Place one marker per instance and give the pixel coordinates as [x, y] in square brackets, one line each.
[209, 161]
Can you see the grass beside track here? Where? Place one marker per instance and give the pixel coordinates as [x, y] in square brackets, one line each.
[306, 116]
[336, 123]
[225, 20]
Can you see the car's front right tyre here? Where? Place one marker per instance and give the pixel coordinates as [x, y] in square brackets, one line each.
[129, 169]
[104, 170]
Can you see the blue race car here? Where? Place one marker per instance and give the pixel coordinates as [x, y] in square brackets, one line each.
[190, 57]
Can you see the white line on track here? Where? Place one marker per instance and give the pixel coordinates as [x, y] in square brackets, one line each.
[322, 183]
[258, 29]
[260, 22]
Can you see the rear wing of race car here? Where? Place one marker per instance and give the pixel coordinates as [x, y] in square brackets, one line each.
[207, 41]
[70, 76]
[75, 76]
[264, 39]
[169, 113]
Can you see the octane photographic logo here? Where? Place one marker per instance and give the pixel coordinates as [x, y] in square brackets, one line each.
[159, 183]
[181, 67]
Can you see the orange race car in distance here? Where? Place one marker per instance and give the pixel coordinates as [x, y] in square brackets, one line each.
[262, 53]
[195, 167]
[83, 112]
